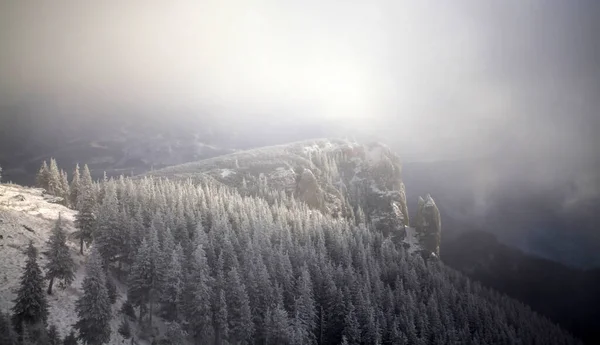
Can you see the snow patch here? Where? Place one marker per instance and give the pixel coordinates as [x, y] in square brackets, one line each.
[226, 172]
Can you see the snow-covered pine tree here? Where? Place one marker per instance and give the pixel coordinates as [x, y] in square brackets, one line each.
[304, 307]
[85, 219]
[74, 187]
[42, 178]
[145, 277]
[93, 307]
[54, 180]
[7, 333]
[60, 264]
[125, 329]
[65, 188]
[172, 286]
[108, 236]
[197, 297]
[221, 328]
[241, 327]
[70, 339]
[31, 306]
[53, 336]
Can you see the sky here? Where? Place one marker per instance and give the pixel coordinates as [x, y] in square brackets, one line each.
[516, 79]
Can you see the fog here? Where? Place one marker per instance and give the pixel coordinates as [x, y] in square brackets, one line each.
[514, 80]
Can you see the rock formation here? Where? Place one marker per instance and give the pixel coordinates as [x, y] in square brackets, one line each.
[428, 225]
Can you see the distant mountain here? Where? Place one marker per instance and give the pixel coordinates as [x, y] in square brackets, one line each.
[568, 296]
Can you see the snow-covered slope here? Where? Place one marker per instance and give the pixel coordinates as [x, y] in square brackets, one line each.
[27, 214]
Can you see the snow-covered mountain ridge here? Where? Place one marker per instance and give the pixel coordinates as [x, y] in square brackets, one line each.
[338, 177]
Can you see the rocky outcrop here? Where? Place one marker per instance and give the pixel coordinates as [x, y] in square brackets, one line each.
[336, 177]
[428, 226]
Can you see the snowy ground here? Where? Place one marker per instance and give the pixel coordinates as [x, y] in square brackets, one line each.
[22, 207]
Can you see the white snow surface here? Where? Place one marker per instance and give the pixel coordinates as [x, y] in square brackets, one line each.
[22, 207]
[226, 172]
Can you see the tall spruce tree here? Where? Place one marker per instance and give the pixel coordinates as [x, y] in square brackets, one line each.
[7, 333]
[43, 176]
[74, 187]
[30, 306]
[70, 339]
[197, 296]
[93, 307]
[145, 277]
[65, 188]
[172, 286]
[60, 263]
[85, 219]
[54, 180]
[239, 315]
[53, 336]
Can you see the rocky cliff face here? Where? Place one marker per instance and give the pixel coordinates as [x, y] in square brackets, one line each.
[428, 225]
[337, 177]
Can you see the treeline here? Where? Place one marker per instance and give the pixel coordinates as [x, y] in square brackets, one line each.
[221, 268]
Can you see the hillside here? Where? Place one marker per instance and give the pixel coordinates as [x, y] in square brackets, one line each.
[307, 243]
[336, 177]
[28, 214]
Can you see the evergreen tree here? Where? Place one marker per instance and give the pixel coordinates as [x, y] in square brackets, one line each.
[30, 305]
[197, 297]
[220, 318]
[65, 188]
[74, 187]
[175, 334]
[54, 180]
[239, 315]
[0, 174]
[145, 278]
[42, 179]
[173, 285]
[305, 311]
[93, 307]
[70, 339]
[60, 263]
[85, 218]
[53, 336]
[125, 329]
[7, 333]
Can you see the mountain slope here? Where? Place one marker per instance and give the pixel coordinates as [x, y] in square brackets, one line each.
[565, 294]
[28, 214]
[337, 177]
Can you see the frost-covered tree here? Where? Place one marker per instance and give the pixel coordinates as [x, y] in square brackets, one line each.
[65, 188]
[239, 314]
[304, 308]
[60, 264]
[172, 287]
[30, 307]
[53, 336]
[70, 339]
[197, 297]
[125, 329]
[93, 307]
[54, 180]
[74, 187]
[85, 219]
[7, 333]
[145, 277]
[42, 178]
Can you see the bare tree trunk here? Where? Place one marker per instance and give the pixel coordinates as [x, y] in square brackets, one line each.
[50, 286]
[81, 245]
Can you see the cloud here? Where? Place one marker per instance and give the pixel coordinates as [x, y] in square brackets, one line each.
[466, 78]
